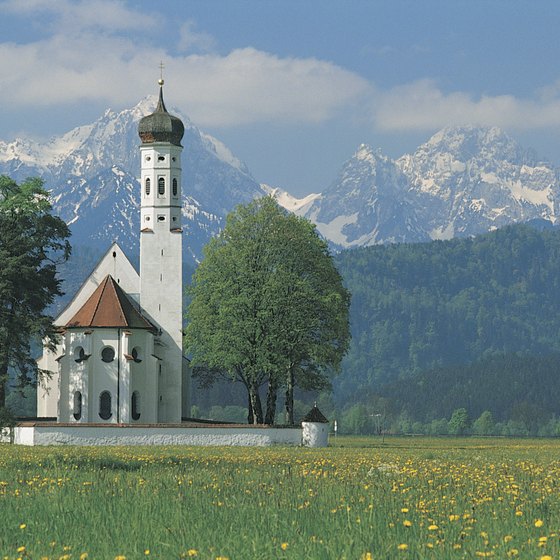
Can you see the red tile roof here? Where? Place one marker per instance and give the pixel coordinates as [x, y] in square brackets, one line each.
[109, 306]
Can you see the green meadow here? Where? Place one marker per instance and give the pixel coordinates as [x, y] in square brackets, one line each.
[361, 498]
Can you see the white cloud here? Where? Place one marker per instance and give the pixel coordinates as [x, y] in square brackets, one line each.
[249, 86]
[190, 39]
[104, 52]
[423, 106]
[245, 86]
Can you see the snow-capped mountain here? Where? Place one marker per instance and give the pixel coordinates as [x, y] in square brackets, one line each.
[469, 180]
[463, 181]
[368, 203]
[92, 173]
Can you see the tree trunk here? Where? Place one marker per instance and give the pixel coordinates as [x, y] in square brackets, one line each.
[250, 414]
[3, 373]
[256, 405]
[271, 402]
[290, 396]
[3, 383]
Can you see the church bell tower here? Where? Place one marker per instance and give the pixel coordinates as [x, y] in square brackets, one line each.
[161, 249]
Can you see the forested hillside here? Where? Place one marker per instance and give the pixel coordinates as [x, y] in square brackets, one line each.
[418, 307]
[521, 391]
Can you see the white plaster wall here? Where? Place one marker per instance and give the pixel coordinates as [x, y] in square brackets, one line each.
[119, 435]
[103, 375]
[315, 434]
[24, 436]
[161, 284]
[47, 388]
[143, 376]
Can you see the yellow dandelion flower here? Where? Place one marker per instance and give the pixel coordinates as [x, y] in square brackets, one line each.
[404, 510]
[453, 517]
[147, 552]
[433, 527]
[407, 523]
[513, 552]
[83, 555]
[508, 538]
[403, 546]
[284, 546]
[22, 526]
[192, 552]
[367, 556]
[546, 557]
[519, 513]
[120, 557]
[21, 549]
[539, 523]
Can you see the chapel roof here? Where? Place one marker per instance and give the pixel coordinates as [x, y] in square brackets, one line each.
[315, 415]
[161, 126]
[109, 306]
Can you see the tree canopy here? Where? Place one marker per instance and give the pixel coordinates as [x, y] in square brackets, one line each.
[32, 242]
[268, 307]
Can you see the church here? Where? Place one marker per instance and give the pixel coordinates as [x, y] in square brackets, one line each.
[120, 360]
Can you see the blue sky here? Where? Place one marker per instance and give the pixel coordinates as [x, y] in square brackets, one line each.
[291, 86]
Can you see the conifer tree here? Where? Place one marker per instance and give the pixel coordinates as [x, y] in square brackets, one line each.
[32, 243]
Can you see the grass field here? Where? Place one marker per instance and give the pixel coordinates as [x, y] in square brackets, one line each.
[359, 499]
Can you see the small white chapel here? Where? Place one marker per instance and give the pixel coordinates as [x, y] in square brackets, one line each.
[120, 360]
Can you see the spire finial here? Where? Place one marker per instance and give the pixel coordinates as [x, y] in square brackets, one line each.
[161, 67]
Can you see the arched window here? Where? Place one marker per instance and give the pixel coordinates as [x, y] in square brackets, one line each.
[79, 354]
[135, 405]
[108, 354]
[161, 186]
[137, 354]
[77, 405]
[105, 405]
[174, 187]
[148, 185]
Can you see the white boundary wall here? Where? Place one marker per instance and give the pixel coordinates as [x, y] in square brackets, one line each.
[155, 435]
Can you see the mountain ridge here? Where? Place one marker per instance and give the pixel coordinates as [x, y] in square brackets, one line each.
[462, 181]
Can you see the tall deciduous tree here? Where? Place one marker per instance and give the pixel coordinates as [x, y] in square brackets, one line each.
[268, 306]
[32, 242]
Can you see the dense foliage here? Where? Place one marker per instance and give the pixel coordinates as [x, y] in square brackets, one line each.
[268, 307]
[423, 306]
[32, 241]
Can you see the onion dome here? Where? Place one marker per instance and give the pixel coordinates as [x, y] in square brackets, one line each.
[160, 126]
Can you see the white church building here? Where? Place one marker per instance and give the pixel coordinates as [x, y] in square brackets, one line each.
[120, 360]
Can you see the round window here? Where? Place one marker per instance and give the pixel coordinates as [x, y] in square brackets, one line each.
[108, 354]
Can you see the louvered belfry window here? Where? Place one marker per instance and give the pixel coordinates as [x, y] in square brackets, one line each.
[161, 186]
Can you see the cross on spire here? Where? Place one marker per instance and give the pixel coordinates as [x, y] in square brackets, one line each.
[161, 67]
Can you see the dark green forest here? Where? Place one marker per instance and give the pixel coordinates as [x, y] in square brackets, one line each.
[418, 307]
[471, 323]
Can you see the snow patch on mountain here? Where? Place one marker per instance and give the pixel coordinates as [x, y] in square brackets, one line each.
[287, 201]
